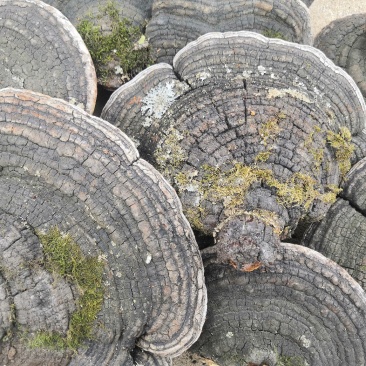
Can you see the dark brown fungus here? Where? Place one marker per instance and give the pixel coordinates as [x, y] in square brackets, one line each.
[65, 174]
[243, 124]
[344, 41]
[176, 23]
[302, 310]
[42, 51]
[341, 235]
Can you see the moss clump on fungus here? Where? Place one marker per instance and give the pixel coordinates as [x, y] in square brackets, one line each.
[230, 187]
[63, 257]
[270, 33]
[341, 142]
[290, 361]
[118, 46]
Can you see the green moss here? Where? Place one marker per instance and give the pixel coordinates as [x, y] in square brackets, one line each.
[262, 157]
[271, 128]
[269, 131]
[63, 257]
[290, 361]
[270, 33]
[230, 187]
[116, 47]
[341, 142]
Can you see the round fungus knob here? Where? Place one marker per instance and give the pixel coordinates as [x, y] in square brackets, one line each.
[242, 122]
[95, 253]
[176, 23]
[343, 41]
[341, 235]
[42, 51]
[303, 309]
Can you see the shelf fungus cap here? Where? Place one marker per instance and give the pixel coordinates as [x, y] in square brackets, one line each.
[42, 51]
[341, 234]
[242, 122]
[70, 180]
[176, 23]
[343, 41]
[302, 310]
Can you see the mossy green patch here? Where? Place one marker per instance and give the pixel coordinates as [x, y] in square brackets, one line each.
[230, 187]
[290, 361]
[341, 142]
[63, 257]
[116, 46]
[270, 33]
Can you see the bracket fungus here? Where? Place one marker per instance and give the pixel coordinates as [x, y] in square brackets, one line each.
[42, 51]
[97, 261]
[245, 127]
[343, 41]
[302, 310]
[341, 235]
[175, 23]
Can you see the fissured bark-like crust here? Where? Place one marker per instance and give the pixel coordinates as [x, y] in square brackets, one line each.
[42, 51]
[62, 167]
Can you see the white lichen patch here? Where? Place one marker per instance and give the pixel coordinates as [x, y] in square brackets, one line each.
[305, 341]
[262, 70]
[280, 93]
[203, 75]
[148, 258]
[229, 334]
[159, 99]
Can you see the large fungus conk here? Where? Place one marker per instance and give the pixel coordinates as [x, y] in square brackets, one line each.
[42, 51]
[341, 235]
[98, 265]
[245, 127]
[176, 23]
[303, 310]
[343, 41]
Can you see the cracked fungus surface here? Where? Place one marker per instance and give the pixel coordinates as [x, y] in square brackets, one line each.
[63, 167]
[42, 51]
[245, 123]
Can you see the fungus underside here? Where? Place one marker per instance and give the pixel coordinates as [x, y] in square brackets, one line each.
[118, 44]
[63, 258]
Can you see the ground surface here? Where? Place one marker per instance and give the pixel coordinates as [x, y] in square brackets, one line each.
[322, 12]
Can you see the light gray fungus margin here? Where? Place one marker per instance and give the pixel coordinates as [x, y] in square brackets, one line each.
[41, 50]
[176, 23]
[63, 167]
